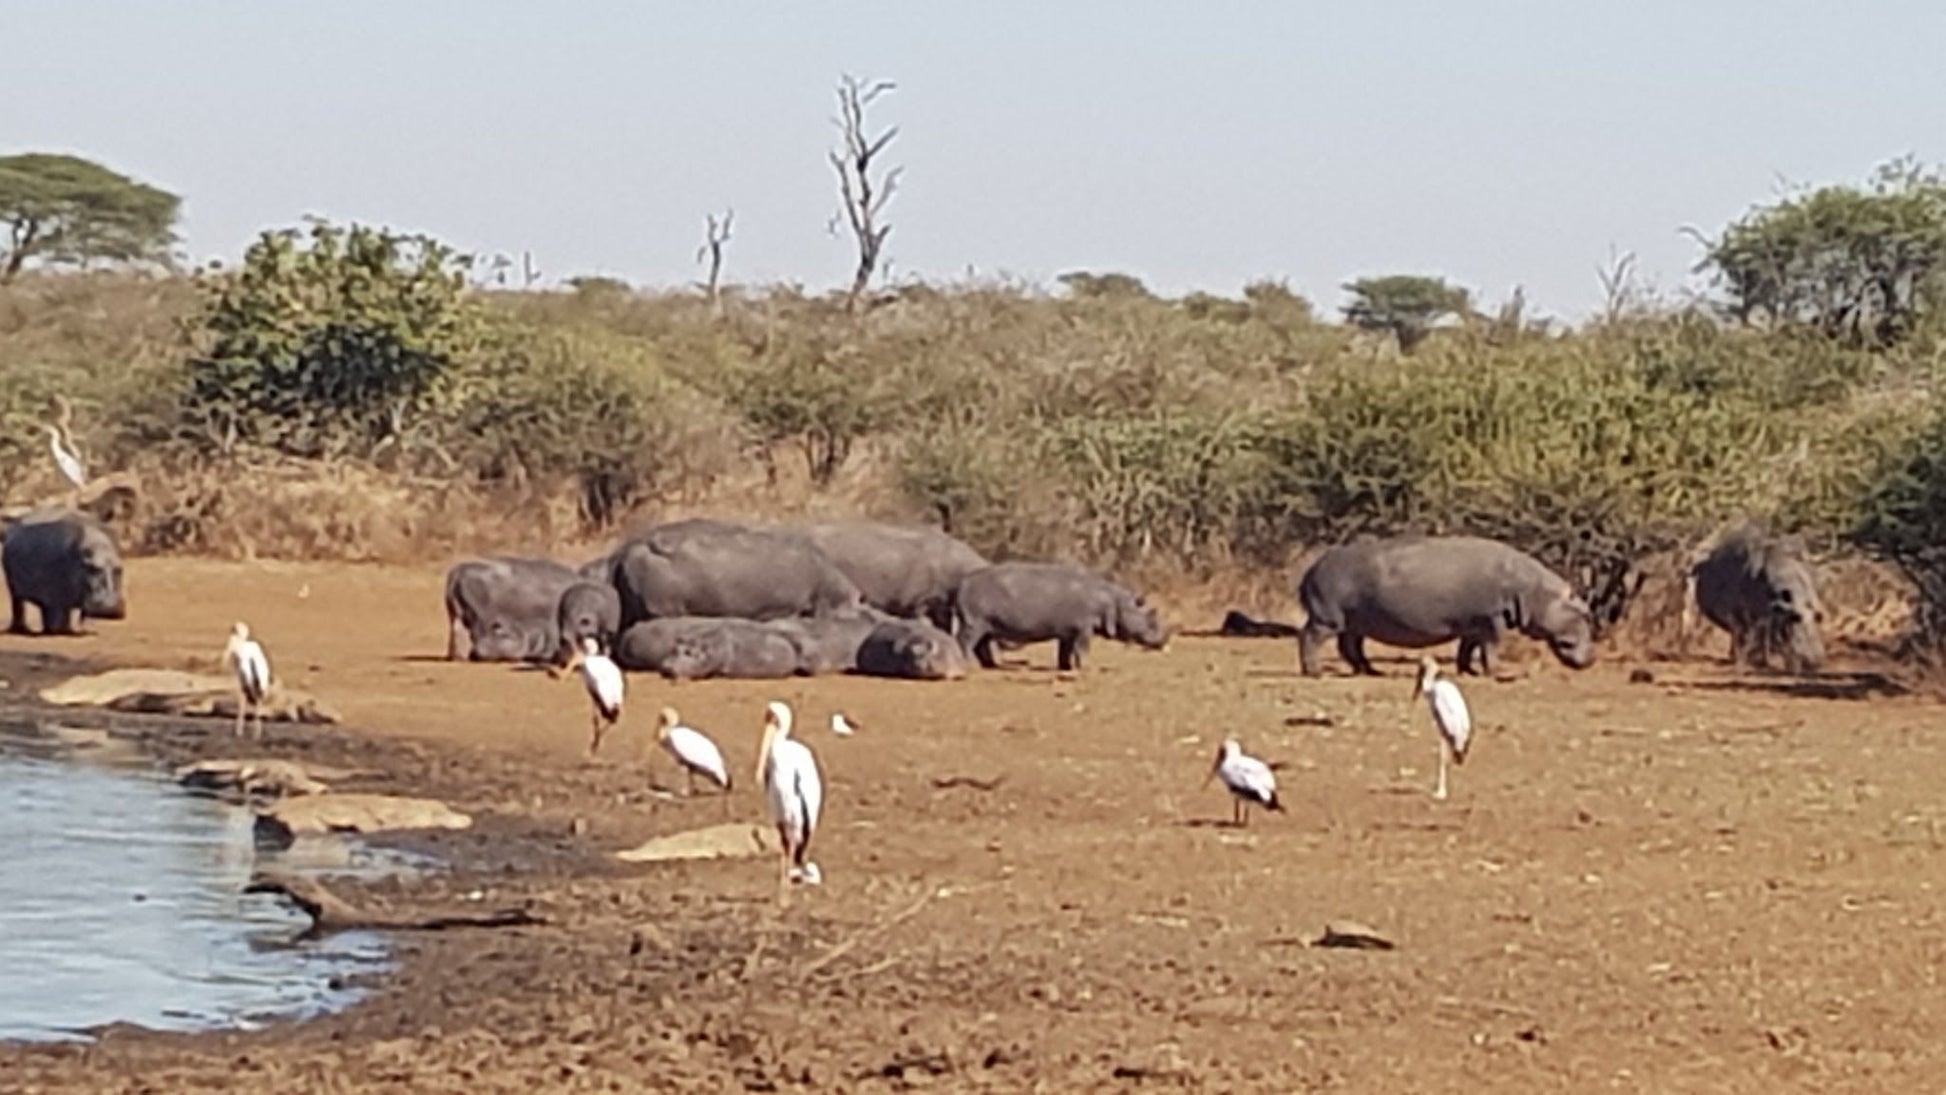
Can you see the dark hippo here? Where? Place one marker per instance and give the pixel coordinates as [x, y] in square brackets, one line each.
[1417, 591]
[62, 562]
[695, 647]
[587, 610]
[1763, 591]
[715, 568]
[507, 607]
[1034, 602]
[910, 572]
[913, 649]
[829, 644]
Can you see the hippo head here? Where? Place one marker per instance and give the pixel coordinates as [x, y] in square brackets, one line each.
[101, 590]
[1567, 625]
[502, 640]
[1795, 615]
[1133, 620]
[931, 654]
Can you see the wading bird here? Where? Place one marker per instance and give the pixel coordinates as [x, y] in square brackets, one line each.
[1249, 780]
[245, 657]
[794, 794]
[1449, 716]
[692, 750]
[605, 687]
[60, 439]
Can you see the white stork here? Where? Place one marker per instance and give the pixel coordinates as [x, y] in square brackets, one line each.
[1449, 716]
[693, 751]
[1249, 780]
[605, 687]
[60, 440]
[245, 657]
[794, 794]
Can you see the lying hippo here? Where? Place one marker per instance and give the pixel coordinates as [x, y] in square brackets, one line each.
[695, 647]
[829, 644]
[587, 610]
[716, 568]
[910, 572]
[1417, 591]
[507, 607]
[62, 562]
[1763, 591]
[1034, 602]
[912, 649]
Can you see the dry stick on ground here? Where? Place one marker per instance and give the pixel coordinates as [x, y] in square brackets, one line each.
[329, 912]
[841, 949]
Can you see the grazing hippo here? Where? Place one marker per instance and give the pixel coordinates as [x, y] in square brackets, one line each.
[913, 649]
[829, 644]
[507, 607]
[62, 562]
[1763, 591]
[910, 572]
[1416, 591]
[587, 610]
[1034, 602]
[714, 568]
[694, 647]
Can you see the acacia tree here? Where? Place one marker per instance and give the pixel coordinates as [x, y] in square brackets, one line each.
[1858, 265]
[67, 211]
[863, 200]
[1406, 305]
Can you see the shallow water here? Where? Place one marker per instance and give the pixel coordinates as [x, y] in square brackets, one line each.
[119, 900]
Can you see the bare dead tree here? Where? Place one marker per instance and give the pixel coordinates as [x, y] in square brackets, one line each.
[529, 273]
[863, 201]
[715, 234]
[1617, 285]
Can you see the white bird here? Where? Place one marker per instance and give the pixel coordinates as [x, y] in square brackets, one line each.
[842, 726]
[794, 794]
[1449, 716]
[1249, 780]
[245, 657]
[693, 751]
[605, 687]
[60, 439]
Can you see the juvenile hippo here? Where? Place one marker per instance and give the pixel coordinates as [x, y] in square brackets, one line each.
[1763, 591]
[910, 572]
[587, 610]
[1034, 602]
[507, 607]
[913, 649]
[695, 647]
[62, 562]
[1417, 591]
[715, 568]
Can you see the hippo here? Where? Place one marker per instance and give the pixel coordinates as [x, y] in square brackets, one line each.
[1763, 591]
[715, 568]
[695, 647]
[62, 562]
[587, 610]
[508, 607]
[913, 649]
[1418, 591]
[1034, 602]
[909, 572]
[829, 644]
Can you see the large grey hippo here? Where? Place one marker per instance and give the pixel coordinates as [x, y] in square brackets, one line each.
[695, 647]
[507, 607]
[1763, 591]
[62, 562]
[1418, 591]
[910, 572]
[1034, 602]
[702, 567]
[913, 649]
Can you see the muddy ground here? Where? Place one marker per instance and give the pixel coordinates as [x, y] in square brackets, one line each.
[1713, 881]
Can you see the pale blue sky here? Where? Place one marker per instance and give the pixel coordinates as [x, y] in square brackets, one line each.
[1198, 146]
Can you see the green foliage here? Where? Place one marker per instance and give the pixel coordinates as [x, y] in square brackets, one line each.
[1863, 266]
[1406, 305]
[823, 395]
[332, 348]
[67, 211]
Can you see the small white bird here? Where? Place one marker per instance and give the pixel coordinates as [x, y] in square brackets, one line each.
[793, 792]
[1449, 716]
[605, 687]
[693, 751]
[245, 657]
[1249, 780]
[842, 726]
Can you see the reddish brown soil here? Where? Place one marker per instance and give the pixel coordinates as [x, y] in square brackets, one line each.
[1715, 881]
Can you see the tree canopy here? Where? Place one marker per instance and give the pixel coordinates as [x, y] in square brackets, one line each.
[64, 210]
[1407, 305]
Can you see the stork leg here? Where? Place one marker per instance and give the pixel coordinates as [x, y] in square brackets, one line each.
[241, 701]
[784, 867]
[689, 784]
[1439, 792]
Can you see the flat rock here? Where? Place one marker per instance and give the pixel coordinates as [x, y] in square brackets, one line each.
[730, 840]
[354, 813]
[174, 692]
[251, 776]
[1350, 933]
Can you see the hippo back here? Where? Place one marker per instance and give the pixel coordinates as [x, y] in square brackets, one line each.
[901, 570]
[713, 568]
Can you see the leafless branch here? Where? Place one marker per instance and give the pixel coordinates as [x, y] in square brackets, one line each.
[715, 234]
[863, 200]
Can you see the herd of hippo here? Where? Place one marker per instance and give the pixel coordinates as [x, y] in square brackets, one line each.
[706, 598]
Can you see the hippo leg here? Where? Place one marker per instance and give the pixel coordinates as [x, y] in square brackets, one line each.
[19, 624]
[452, 637]
[1308, 640]
[57, 620]
[1351, 647]
[1072, 649]
[977, 641]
